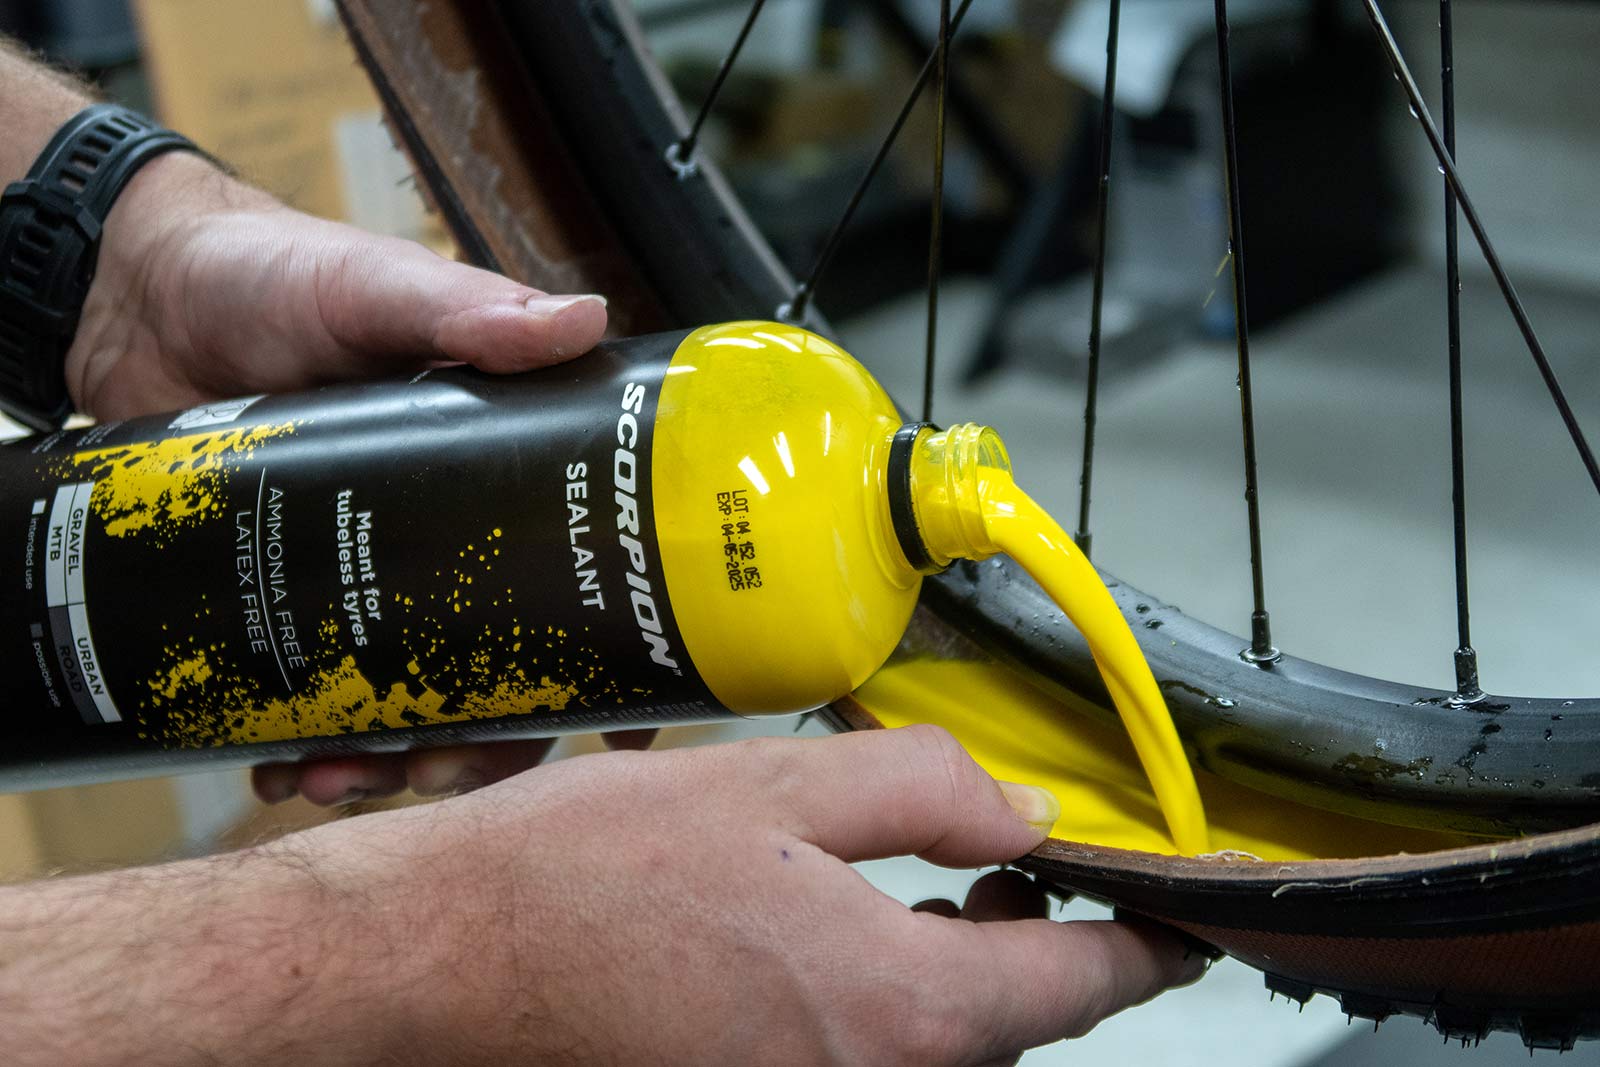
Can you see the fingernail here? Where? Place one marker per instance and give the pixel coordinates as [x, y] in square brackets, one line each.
[548, 304]
[352, 796]
[1037, 807]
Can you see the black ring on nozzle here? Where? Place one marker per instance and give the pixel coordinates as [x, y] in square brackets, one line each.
[901, 511]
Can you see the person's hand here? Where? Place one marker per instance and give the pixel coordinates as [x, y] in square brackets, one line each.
[716, 918]
[688, 906]
[209, 288]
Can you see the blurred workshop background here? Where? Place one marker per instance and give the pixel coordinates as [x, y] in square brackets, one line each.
[1343, 205]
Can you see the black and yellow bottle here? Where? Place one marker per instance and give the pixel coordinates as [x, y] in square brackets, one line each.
[676, 528]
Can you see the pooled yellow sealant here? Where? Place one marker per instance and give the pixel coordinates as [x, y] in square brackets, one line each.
[1027, 533]
[161, 487]
[1019, 733]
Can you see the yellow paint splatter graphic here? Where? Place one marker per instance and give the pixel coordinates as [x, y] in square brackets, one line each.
[206, 709]
[455, 674]
[161, 487]
[518, 694]
[469, 669]
[494, 666]
[186, 673]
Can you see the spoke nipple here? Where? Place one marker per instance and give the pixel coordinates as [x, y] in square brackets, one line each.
[680, 157]
[1468, 691]
[1261, 652]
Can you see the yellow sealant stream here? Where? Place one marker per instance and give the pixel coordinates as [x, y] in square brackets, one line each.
[1026, 533]
[968, 505]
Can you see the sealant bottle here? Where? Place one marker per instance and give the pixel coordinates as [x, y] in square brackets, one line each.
[675, 528]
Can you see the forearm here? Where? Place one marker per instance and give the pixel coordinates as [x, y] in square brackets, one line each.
[266, 955]
[34, 102]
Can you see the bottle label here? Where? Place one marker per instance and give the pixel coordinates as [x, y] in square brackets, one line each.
[461, 553]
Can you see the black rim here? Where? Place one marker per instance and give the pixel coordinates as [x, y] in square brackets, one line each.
[1296, 729]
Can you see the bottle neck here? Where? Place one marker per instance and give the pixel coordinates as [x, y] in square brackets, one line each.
[937, 483]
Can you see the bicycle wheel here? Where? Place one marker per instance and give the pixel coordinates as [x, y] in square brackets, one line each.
[1279, 725]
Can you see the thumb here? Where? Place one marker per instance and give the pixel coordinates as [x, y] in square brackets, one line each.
[396, 298]
[908, 791]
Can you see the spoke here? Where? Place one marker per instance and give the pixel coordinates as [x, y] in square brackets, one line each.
[1420, 108]
[681, 153]
[1261, 650]
[795, 309]
[1092, 389]
[936, 223]
[1466, 659]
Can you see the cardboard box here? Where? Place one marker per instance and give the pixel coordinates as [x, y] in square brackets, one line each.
[274, 90]
[88, 828]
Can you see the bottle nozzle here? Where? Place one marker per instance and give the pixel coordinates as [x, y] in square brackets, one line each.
[939, 479]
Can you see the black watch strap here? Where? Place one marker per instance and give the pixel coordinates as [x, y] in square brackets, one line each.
[50, 224]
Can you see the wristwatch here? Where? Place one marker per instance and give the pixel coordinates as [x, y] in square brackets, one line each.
[50, 226]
